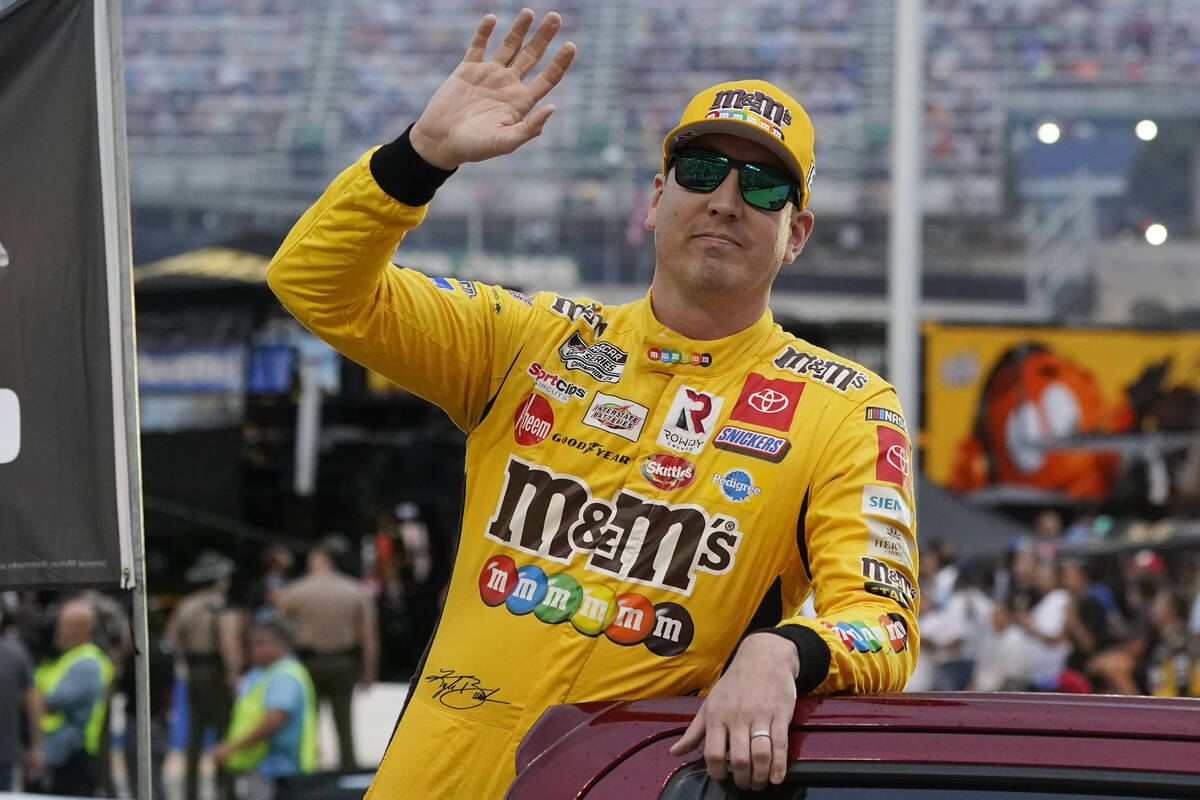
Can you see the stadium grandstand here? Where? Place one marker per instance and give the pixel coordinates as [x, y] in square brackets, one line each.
[240, 111]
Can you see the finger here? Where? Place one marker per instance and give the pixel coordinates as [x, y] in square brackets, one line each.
[691, 737]
[516, 35]
[779, 749]
[761, 748]
[739, 756]
[532, 53]
[553, 72]
[714, 751]
[479, 44]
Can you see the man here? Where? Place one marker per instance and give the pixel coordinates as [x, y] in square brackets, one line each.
[205, 632]
[74, 687]
[17, 694]
[638, 477]
[273, 732]
[337, 636]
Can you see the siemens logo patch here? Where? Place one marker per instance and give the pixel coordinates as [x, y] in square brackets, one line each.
[752, 443]
[884, 501]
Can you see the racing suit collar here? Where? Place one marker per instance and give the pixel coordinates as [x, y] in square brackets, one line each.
[664, 350]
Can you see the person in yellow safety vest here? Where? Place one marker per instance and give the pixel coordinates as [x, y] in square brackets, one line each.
[74, 687]
[273, 730]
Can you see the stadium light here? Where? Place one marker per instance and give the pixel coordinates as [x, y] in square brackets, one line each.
[1048, 133]
[1156, 234]
[1146, 130]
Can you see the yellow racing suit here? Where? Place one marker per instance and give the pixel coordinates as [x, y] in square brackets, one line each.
[632, 496]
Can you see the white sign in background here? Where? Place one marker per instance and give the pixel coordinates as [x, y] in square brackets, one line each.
[10, 426]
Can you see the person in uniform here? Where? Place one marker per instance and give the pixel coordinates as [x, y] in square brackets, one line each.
[205, 633]
[337, 636]
[640, 478]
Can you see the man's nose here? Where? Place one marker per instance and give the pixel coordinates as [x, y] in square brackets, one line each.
[726, 199]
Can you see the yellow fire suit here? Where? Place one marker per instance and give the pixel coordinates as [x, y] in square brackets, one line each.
[632, 496]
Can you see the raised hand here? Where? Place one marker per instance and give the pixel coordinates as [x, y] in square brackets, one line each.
[485, 108]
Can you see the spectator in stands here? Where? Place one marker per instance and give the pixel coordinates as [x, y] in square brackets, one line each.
[1005, 659]
[273, 732]
[959, 623]
[1172, 666]
[1046, 623]
[206, 634]
[337, 636]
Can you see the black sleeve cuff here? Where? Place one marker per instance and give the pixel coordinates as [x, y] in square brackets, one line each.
[404, 175]
[813, 652]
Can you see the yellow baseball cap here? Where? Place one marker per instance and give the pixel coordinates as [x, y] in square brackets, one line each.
[754, 110]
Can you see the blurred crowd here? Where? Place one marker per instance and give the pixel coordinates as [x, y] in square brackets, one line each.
[1043, 618]
[226, 76]
[66, 657]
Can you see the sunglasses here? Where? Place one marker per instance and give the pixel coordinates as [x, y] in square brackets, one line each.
[761, 186]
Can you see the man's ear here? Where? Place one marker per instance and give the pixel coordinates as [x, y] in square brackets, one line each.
[799, 230]
[651, 213]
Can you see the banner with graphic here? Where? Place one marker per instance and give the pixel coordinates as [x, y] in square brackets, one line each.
[64, 479]
[1069, 414]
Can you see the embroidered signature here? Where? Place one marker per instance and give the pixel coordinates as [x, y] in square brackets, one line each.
[461, 692]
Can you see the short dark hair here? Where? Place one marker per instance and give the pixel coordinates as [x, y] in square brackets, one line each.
[280, 628]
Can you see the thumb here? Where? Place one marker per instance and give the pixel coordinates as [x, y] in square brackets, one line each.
[692, 736]
[530, 127]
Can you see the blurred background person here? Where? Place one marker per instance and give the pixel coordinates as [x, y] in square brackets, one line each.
[1173, 657]
[74, 687]
[1046, 622]
[277, 561]
[956, 634]
[337, 635]
[19, 697]
[273, 733]
[1005, 658]
[206, 634]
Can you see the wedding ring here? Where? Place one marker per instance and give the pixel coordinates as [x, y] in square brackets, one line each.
[754, 734]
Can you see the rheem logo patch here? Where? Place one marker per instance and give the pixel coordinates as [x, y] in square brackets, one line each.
[533, 420]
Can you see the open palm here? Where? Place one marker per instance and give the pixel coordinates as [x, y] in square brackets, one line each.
[485, 108]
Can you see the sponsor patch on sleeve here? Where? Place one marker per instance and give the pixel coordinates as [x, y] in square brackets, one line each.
[876, 414]
[884, 501]
[886, 540]
[894, 464]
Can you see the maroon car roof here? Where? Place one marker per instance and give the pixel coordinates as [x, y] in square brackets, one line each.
[1100, 715]
[574, 745]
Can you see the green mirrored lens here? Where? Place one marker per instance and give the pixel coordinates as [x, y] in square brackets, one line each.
[761, 186]
[771, 198]
[701, 174]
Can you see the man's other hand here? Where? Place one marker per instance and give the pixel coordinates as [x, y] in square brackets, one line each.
[744, 720]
